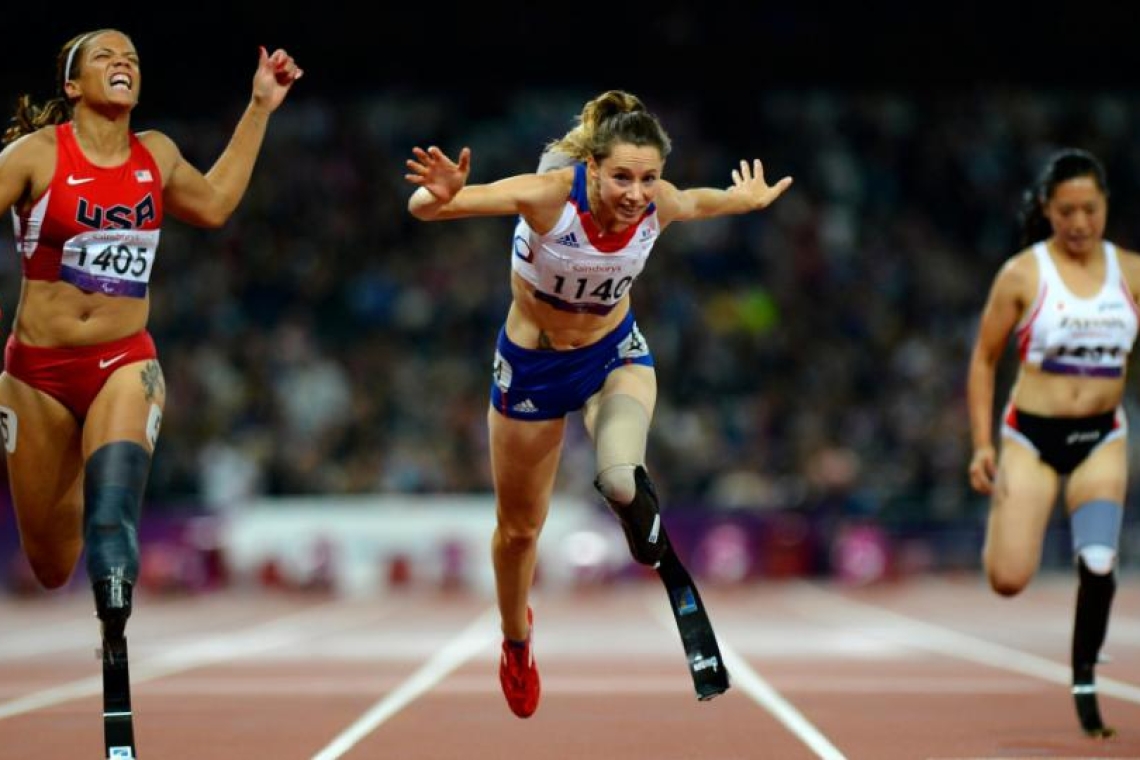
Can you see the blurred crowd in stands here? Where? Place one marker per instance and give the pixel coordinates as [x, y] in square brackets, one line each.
[810, 357]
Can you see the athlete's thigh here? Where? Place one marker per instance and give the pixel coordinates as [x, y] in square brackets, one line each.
[636, 380]
[524, 461]
[129, 407]
[45, 463]
[1025, 493]
[1103, 475]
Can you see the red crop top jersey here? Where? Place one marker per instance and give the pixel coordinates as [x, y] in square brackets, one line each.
[94, 227]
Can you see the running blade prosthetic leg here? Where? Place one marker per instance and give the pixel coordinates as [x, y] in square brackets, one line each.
[113, 483]
[1090, 626]
[113, 601]
[649, 545]
[706, 665]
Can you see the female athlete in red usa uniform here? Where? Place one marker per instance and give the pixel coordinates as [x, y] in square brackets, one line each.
[1071, 298]
[586, 227]
[82, 394]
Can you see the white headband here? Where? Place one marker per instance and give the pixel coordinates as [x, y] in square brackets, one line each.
[71, 56]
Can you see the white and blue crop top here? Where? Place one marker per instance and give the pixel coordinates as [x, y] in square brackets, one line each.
[577, 266]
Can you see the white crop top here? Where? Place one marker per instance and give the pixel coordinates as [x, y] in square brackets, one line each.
[1079, 336]
[577, 266]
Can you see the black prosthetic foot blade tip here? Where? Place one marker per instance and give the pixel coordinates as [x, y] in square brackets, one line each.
[118, 720]
[1088, 712]
[712, 687]
[706, 664]
[119, 736]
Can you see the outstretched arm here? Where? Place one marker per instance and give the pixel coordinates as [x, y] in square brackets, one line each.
[442, 191]
[439, 179]
[209, 199]
[748, 192]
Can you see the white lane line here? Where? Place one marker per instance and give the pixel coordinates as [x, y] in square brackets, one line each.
[742, 676]
[479, 634]
[55, 638]
[366, 684]
[918, 634]
[47, 634]
[283, 632]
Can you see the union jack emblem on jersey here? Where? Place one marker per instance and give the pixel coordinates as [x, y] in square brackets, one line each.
[634, 345]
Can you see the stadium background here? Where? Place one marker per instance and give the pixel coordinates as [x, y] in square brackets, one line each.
[328, 355]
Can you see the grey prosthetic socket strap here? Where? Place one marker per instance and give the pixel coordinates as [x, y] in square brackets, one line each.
[1096, 527]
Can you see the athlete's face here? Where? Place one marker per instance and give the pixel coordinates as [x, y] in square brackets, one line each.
[626, 181]
[1077, 210]
[108, 71]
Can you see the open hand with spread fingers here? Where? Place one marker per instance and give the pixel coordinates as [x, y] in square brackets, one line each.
[749, 180]
[433, 170]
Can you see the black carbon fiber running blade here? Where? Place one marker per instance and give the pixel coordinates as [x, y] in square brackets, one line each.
[118, 722]
[706, 665]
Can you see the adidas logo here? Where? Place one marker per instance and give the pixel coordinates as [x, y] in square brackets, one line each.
[570, 240]
[526, 407]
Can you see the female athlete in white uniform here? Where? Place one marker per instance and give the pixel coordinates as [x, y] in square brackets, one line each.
[1071, 299]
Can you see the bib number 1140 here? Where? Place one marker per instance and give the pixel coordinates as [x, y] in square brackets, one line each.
[606, 290]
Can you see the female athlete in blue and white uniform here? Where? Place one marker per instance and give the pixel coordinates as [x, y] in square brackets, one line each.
[586, 227]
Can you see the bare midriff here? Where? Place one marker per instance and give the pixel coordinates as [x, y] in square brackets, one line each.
[1056, 395]
[56, 314]
[533, 324]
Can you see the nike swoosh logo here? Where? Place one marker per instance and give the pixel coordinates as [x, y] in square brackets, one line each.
[73, 180]
[104, 363]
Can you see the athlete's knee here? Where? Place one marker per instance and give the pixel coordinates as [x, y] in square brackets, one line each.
[1008, 578]
[640, 519]
[517, 538]
[515, 531]
[52, 561]
[617, 484]
[114, 480]
[1096, 527]
[1007, 585]
[51, 573]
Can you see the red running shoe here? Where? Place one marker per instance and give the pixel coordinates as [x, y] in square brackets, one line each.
[518, 673]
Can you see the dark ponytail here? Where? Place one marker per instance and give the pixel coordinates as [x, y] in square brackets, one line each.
[29, 115]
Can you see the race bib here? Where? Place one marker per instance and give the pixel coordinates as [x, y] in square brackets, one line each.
[112, 262]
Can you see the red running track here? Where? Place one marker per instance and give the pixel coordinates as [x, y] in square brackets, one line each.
[935, 668]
